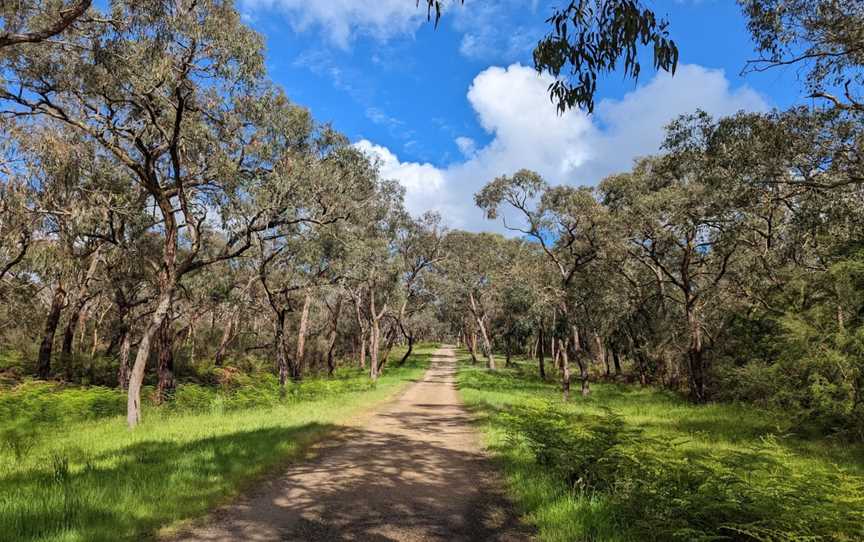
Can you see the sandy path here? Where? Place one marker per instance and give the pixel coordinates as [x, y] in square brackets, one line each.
[412, 471]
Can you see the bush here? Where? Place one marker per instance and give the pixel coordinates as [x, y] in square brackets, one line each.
[657, 493]
[809, 360]
[42, 402]
[585, 451]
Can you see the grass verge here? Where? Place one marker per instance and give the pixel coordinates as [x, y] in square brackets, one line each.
[94, 480]
[629, 464]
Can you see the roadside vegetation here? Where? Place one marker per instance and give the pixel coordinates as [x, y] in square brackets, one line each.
[70, 470]
[180, 241]
[630, 464]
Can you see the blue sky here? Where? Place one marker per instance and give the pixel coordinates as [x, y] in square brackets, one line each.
[447, 109]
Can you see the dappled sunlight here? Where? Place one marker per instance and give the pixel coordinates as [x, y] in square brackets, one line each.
[721, 449]
[412, 471]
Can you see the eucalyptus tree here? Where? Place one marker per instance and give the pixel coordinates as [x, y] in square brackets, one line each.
[517, 295]
[70, 192]
[374, 275]
[18, 219]
[300, 255]
[419, 250]
[570, 226]
[34, 21]
[822, 37]
[543, 280]
[471, 264]
[684, 231]
[233, 303]
[590, 38]
[288, 270]
[175, 93]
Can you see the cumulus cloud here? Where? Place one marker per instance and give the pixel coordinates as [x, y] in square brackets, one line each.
[343, 19]
[425, 184]
[513, 106]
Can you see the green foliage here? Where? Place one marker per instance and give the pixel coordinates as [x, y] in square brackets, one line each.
[35, 402]
[92, 479]
[590, 38]
[263, 391]
[641, 465]
[585, 451]
[810, 361]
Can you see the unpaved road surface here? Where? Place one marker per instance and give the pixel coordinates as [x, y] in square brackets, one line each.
[412, 471]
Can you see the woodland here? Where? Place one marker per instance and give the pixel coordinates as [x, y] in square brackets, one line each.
[673, 353]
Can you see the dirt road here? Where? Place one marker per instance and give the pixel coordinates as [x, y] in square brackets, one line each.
[413, 471]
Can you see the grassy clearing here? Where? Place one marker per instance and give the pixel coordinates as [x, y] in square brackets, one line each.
[630, 464]
[94, 480]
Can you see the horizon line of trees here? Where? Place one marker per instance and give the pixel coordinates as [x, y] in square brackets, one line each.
[163, 202]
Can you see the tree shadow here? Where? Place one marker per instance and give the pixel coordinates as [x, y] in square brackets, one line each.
[129, 493]
[413, 472]
[377, 486]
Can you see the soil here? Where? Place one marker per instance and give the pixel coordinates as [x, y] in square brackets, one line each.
[414, 470]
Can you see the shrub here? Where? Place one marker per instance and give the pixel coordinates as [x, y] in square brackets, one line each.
[655, 492]
[42, 402]
[584, 450]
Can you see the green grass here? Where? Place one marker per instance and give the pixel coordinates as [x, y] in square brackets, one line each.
[94, 480]
[643, 464]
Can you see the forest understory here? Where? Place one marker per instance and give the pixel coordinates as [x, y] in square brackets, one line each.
[199, 277]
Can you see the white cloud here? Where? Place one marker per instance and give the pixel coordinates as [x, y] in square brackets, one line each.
[497, 30]
[343, 19]
[512, 105]
[467, 146]
[425, 186]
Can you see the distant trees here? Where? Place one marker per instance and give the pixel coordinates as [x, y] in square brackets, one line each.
[570, 227]
[685, 265]
[154, 177]
[163, 206]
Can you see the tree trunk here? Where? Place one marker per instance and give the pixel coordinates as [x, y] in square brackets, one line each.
[580, 359]
[189, 341]
[508, 353]
[541, 354]
[391, 339]
[487, 345]
[607, 366]
[696, 362]
[331, 341]
[616, 361]
[471, 341]
[123, 373]
[374, 336]
[643, 374]
[565, 370]
[228, 336]
[297, 365]
[640, 360]
[43, 364]
[280, 348]
[69, 336]
[600, 353]
[408, 352]
[363, 331]
[331, 346]
[94, 344]
[362, 357]
[136, 377]
[165, 370]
